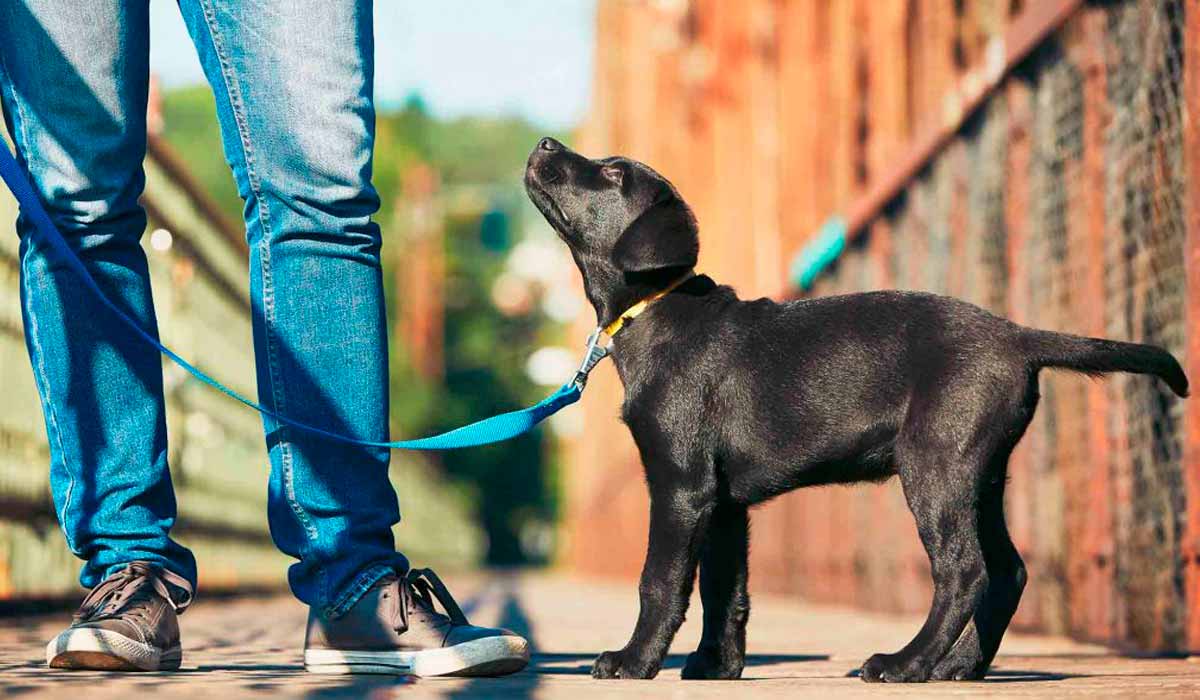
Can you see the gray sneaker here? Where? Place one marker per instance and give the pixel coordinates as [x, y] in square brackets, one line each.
[395, 629]
[127, 623]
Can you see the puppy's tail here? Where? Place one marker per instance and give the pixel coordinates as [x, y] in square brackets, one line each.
[1097, 356]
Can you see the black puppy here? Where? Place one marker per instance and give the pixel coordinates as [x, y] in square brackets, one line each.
[734, 402]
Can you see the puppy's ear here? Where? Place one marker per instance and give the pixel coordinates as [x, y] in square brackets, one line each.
[665, 235]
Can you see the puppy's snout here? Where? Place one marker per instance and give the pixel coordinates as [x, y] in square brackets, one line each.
[546, 148]
[545, 162]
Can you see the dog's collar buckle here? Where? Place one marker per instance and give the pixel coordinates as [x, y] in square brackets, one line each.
[591, 357]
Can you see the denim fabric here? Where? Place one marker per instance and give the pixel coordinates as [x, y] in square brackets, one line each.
[293, 89]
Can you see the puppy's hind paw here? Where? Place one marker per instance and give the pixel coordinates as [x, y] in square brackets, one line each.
[707, 665]
[959, 666]
[617, 664]
[890, 668]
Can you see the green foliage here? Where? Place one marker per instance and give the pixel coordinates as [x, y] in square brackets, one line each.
[485, 352]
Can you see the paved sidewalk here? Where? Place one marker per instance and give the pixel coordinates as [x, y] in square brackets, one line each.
[248, 647]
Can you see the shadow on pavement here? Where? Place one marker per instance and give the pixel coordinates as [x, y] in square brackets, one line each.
[673, 661]
[1006, 676]
[1018, 676]
[519, 685]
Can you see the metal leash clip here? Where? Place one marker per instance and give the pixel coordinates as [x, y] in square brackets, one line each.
[592, 356]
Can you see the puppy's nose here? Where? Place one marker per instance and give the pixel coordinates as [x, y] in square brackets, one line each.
[549, 144]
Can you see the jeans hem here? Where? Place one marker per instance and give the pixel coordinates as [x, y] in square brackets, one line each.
[362, 583]
[163, 563]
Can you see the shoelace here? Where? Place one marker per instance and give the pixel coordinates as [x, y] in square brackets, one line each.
[133, 584]
[422, 587]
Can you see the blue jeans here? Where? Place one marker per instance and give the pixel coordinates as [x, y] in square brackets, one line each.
[293, 88]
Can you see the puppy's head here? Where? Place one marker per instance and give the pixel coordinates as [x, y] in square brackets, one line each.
[626, 226]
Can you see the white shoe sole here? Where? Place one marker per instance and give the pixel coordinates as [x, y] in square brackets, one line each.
[105, 650]
[488, 656]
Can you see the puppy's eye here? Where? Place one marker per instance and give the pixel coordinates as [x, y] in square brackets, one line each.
[613, 174]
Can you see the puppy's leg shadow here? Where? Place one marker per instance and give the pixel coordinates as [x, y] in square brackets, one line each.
[578, 664]
[1007, 676]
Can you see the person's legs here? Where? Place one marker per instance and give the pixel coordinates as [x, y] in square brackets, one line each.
[293, 86]
[73, 82]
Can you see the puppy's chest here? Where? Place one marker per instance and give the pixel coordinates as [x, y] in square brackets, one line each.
[670, 396]
[673, 411]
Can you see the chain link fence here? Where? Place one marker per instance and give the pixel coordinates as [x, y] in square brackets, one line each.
[1062, 205]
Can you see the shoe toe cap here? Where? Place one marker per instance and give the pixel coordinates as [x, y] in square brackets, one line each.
[125, 628]
[470, 633]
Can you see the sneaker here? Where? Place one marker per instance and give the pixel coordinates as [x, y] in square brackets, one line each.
[127, 623]
[395, 629]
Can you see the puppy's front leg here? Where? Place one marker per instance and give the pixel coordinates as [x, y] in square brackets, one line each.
[723, 575]
[678, 521]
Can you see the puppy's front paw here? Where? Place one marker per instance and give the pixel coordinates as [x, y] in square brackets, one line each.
[707, 664]
[620, 664]
[892, 668]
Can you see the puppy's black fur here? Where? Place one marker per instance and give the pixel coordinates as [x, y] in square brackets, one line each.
[733, 402]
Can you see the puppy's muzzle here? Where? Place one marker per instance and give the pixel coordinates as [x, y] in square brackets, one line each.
[542, 167]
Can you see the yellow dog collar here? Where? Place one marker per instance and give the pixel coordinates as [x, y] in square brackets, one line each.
[637, 309]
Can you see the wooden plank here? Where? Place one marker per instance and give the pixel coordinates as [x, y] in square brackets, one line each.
[886, 56]
[770, 267]
[1191, 454]
[1093, 585]
[733, 237]
[1019, 506]
[607, 500]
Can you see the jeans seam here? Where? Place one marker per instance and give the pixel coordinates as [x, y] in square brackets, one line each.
[43, 380]
[362, 583]
[48, 405]
[277, 391]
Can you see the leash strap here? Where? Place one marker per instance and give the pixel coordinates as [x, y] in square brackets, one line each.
[484, 432]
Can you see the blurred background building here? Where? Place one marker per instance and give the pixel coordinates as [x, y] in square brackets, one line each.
[1032, 157]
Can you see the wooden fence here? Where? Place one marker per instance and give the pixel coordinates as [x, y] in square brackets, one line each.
[1031, 157]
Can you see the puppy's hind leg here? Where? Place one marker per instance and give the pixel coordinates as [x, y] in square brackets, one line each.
[943, 498]
[973, 653]
[724, 572]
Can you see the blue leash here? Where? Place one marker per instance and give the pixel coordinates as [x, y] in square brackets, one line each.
[485, 432]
